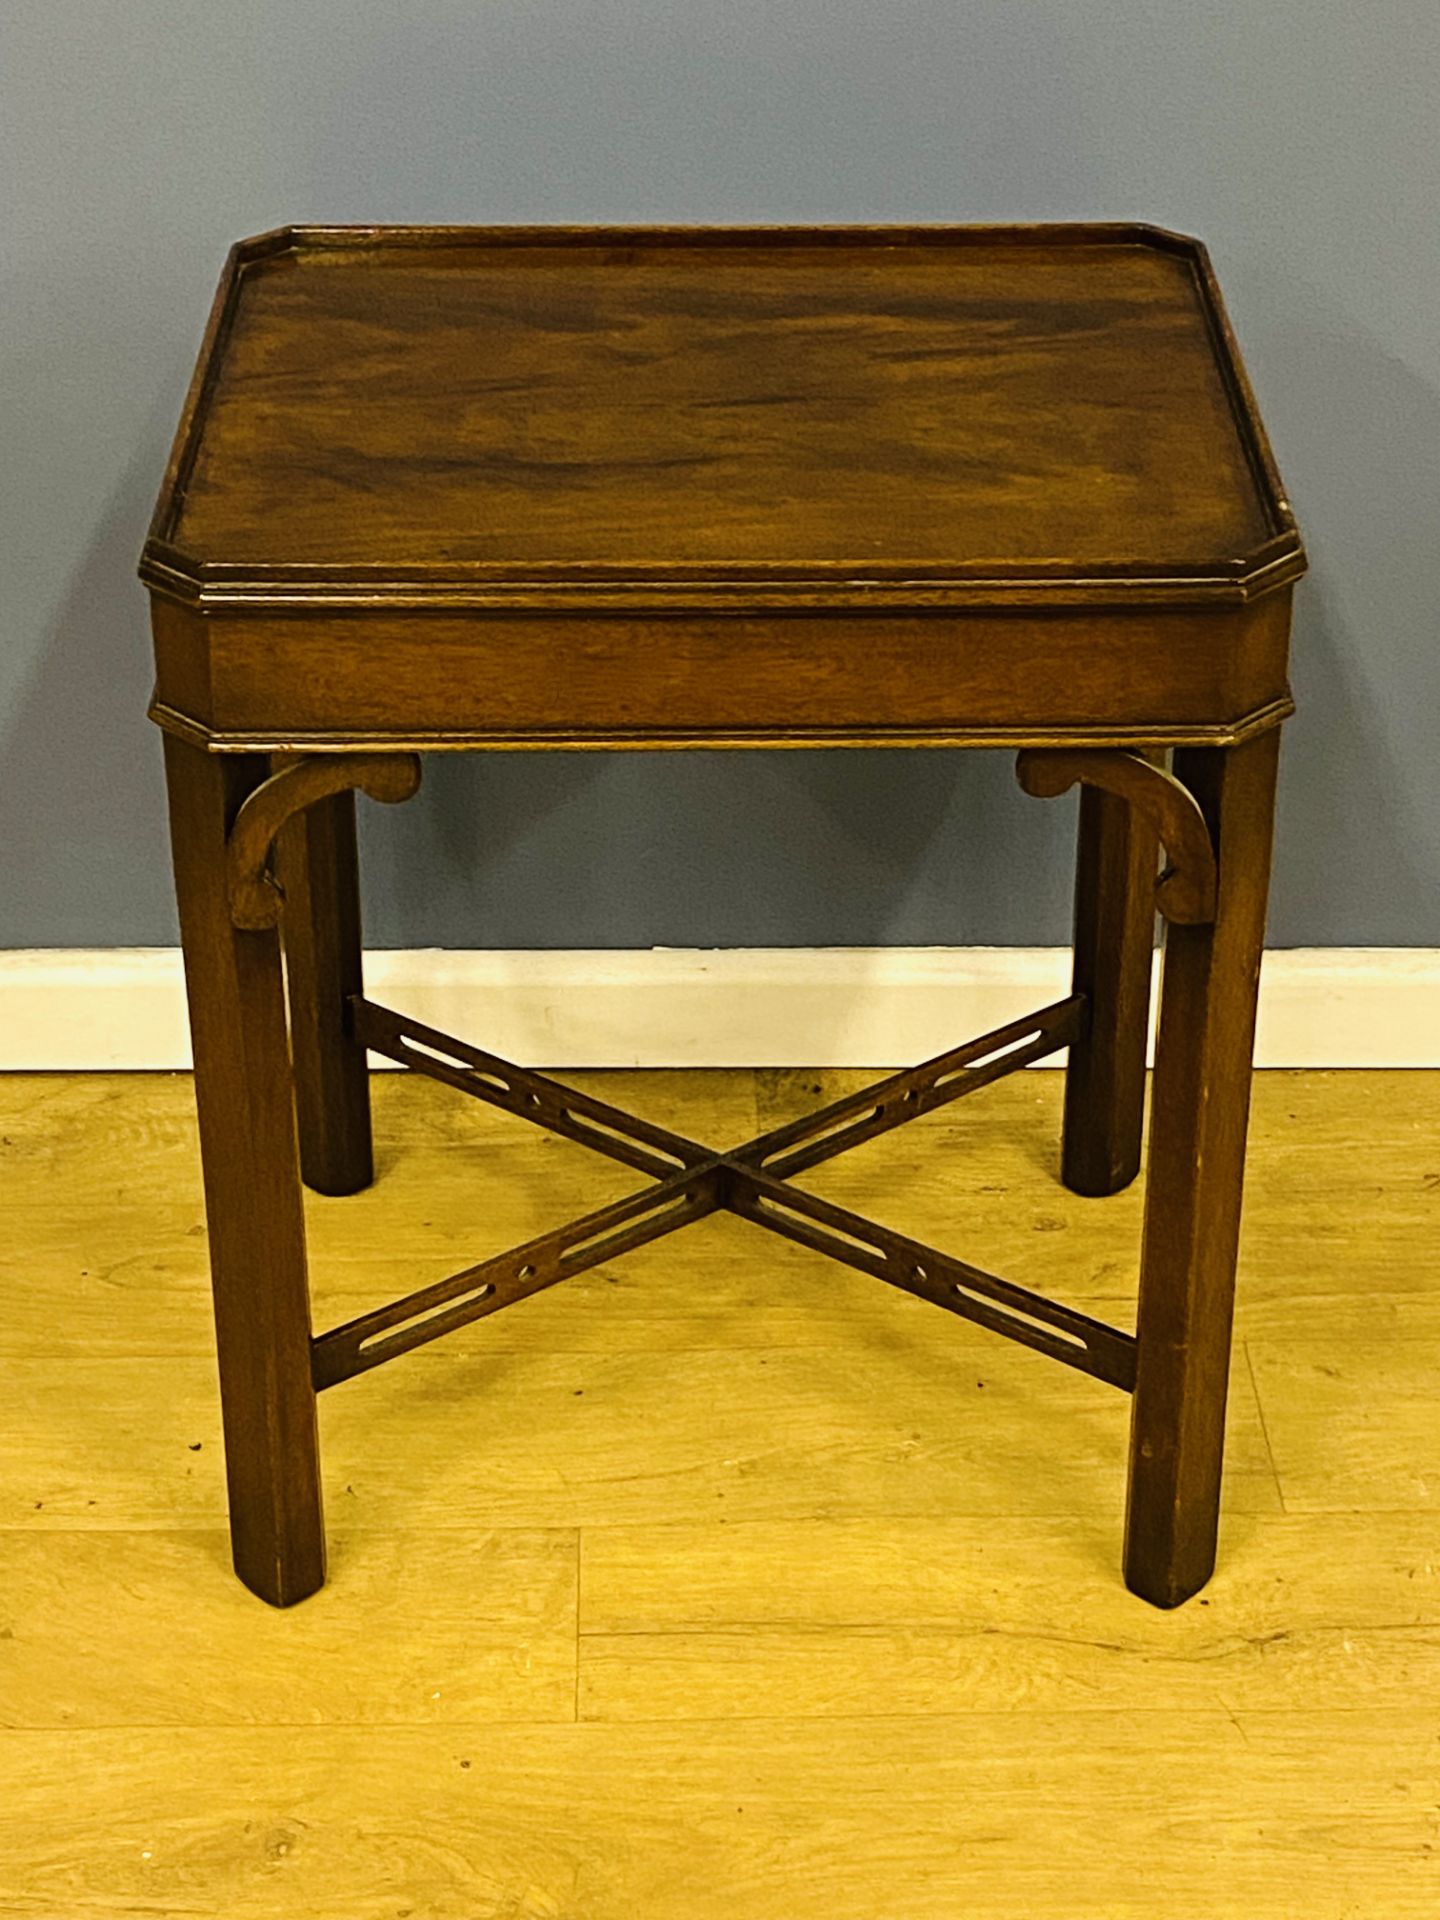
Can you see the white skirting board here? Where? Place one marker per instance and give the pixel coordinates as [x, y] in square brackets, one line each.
[75, 1010]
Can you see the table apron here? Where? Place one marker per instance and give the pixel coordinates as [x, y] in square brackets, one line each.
[336, 678]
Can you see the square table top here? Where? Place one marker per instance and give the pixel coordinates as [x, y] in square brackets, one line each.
[834, 416]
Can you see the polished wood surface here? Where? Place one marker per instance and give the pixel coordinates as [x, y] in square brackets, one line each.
[347, 679]
[959, 403]
[659, 487]
[649, 466]
[719, 1586]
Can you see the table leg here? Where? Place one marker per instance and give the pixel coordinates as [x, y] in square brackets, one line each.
[252, 1190]
[1115, 873]
[318, 873]
[1200, 1107]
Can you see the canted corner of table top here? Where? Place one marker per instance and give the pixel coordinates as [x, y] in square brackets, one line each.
[854, 417]
[536, 486]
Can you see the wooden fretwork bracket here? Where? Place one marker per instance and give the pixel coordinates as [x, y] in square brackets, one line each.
[255, 898]
[1185, 891]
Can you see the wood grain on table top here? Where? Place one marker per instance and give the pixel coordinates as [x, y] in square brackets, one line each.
[949, 403]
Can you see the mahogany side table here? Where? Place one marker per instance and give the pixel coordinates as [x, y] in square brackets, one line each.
[447, 489]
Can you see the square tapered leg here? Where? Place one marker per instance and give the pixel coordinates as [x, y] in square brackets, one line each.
[318, 874]
[1115, 872]
[1200, 1110]
[252, 1189]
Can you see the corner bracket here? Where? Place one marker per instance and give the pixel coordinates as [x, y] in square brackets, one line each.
[1186, 890]
[255, 896]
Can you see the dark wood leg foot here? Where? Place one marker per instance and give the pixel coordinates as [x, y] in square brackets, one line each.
[315, 852]
[1200, 1107]
[252, 1190]
[1115, 874]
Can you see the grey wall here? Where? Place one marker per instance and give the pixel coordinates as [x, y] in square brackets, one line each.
[1297, 136]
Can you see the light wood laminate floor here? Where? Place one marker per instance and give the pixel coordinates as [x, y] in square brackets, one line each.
[721, 1581]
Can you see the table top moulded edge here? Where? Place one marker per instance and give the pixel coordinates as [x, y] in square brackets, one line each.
[1227, 587]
